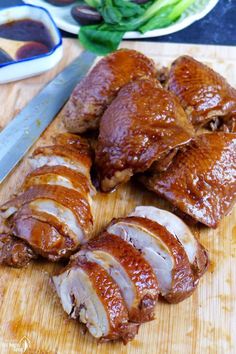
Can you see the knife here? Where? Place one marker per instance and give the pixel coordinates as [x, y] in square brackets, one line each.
[22, 132]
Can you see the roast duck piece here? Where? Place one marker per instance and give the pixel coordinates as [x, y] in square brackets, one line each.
[143, 124]
[51, 216]
[95, 92]
[113, 283]
[201, 181]
[204, 94]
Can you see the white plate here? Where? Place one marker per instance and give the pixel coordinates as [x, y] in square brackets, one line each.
[65, 21]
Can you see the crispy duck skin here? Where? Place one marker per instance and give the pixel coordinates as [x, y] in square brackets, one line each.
[135, 277]
[164, 253]
[95, 92]
[201, 181]
[15, 252]
[204, 94]
[88, 293]
[52, 212]
[142, 125]
[197, 254]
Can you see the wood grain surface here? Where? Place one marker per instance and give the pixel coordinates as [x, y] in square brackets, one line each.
[32, 319]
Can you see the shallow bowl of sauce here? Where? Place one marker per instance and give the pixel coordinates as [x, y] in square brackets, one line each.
[41, 42]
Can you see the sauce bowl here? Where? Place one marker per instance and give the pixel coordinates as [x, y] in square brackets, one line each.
[24, 68]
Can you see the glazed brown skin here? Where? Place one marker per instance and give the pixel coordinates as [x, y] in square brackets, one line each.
[44, 233]
[123, 323]
[110, 296]
[53, 237]
[183, 280]
[15, 252]
[69, 198]
[74, 141]
[201, 181]
[200, 266]
[68, 152]
[137, 269]
[200, 262]
[44, 239]
[142, 125]
[95, 92]
[203, 93]
[45, 172]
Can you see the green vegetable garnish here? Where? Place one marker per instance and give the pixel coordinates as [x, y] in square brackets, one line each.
[100, 39]
[121, 16]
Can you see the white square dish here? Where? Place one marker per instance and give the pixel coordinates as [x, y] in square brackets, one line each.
[21, 69]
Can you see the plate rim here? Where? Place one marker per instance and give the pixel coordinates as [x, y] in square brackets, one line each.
[74, 28]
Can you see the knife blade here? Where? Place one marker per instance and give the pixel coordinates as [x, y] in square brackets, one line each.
[22, 132]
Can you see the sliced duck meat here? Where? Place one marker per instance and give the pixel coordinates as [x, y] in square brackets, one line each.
[142, 125]
[15, 252]
[197, 254]
[112, 284]
[204, 94]
[201, 181]
[59, 176]
[89, 294]
[128, 268]
[43, 238]
[59, 155]
[52, 213]
[71, 202]
[162, 251]
[95, 92]
[63, 235]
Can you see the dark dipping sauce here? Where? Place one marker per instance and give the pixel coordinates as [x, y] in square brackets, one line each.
[26, 30]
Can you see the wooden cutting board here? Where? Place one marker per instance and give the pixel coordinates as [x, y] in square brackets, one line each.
[32, 319]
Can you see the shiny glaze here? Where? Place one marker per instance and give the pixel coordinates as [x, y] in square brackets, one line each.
[141, 126]
[58, 242]
[54, 234]
[201, 181]
[44, 238]
[110, 296]
[203, 93]
[14, 252]
[68, 152]
[138, 270]
[69, 198]
[70, 146]
[46, 172]
[91, 96]
[197, 254]
[183, 281]
[122, 324]
[73, 140]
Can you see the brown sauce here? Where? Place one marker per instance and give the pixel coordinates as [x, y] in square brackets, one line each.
[26, 30]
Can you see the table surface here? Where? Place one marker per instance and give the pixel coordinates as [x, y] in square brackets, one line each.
[218, 27]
